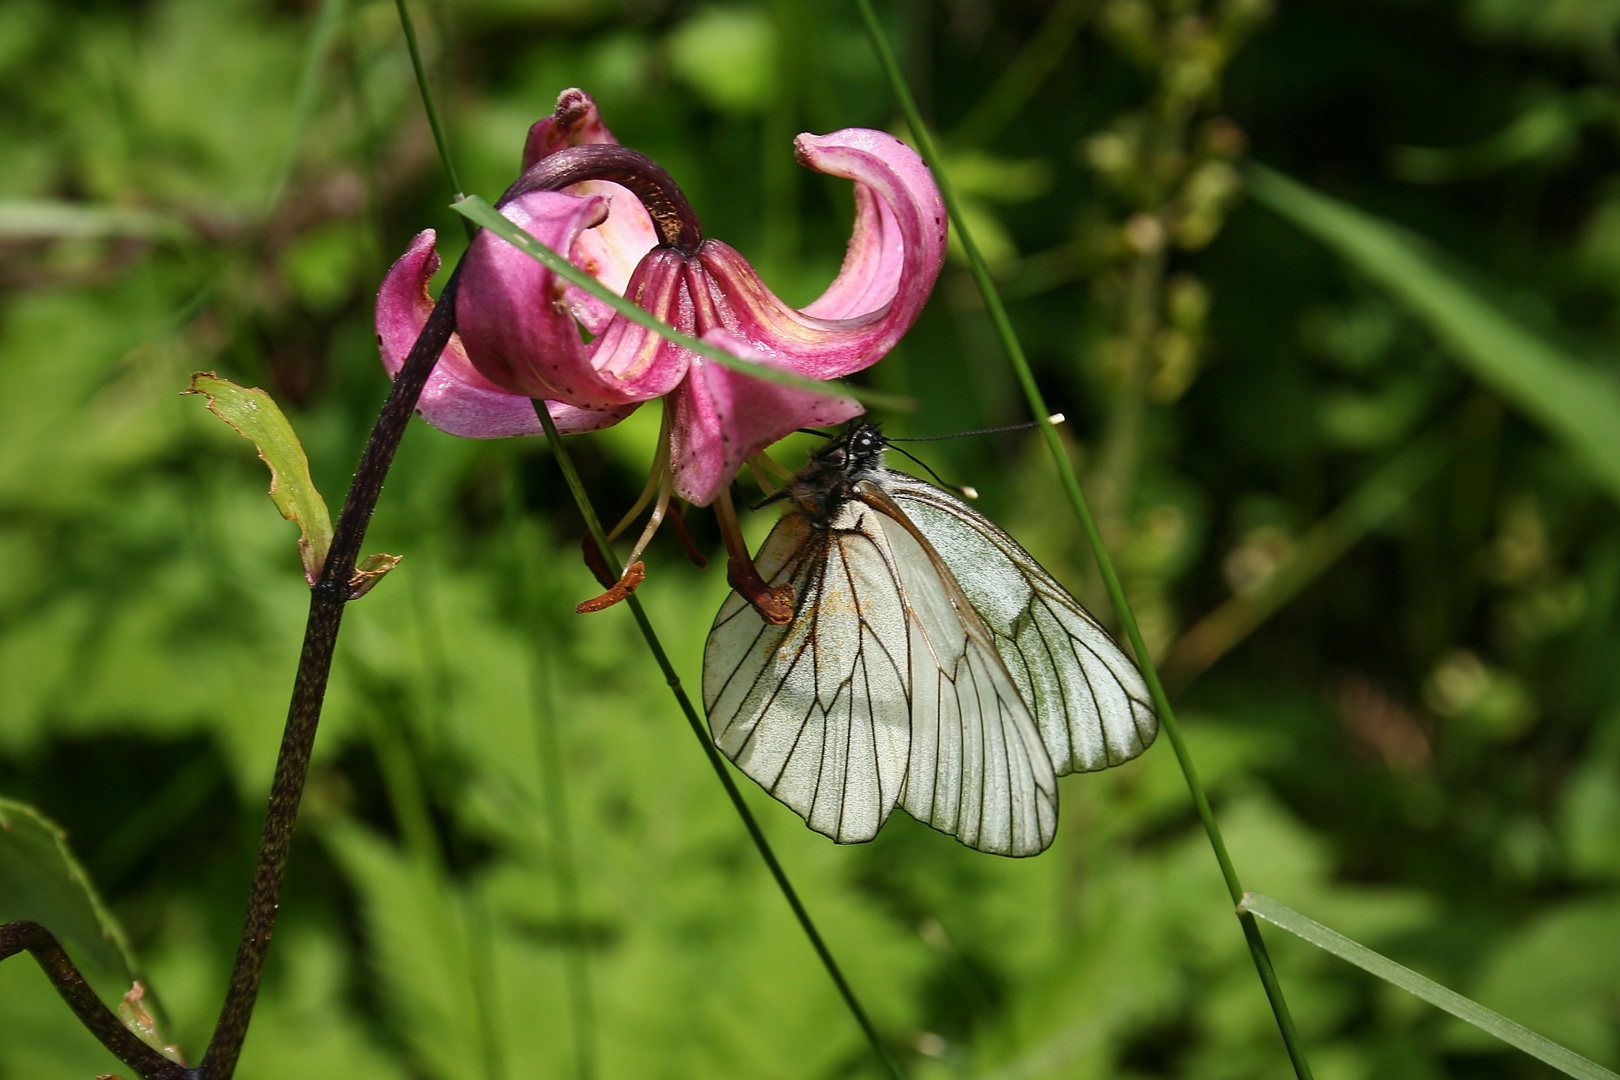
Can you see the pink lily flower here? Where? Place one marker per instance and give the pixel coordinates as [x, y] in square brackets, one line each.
[519, 326]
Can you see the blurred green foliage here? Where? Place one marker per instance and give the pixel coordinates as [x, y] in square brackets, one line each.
[1420, 748]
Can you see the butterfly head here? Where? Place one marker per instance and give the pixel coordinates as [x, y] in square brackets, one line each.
[824, 484]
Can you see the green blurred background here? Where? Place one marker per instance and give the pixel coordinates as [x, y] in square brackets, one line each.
[1363, 490]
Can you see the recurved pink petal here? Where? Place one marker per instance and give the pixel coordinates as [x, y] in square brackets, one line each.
[610, 251]
[894, 256]
[510, 310]
[629, 363]
[721, 417]
[456, 398]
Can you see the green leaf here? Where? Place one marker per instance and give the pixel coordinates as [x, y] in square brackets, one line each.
[481, 213]
[253, 414]
[1571, 398]
[1516, 1035]
[42, 882]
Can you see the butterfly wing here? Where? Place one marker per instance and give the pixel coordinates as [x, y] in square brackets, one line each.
[979, 770]
[816, 711]
[875, 694]
[1089, 700]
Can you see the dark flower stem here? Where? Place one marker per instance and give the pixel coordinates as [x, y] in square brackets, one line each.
[331, 591]
[329, 594]
[106, 1027]
[594, 524]
[677, 223]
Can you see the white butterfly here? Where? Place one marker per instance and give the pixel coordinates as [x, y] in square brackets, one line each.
[930, 663]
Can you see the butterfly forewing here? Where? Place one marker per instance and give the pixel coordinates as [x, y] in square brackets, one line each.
[1089, 700]
[880, 690]
[817, 711]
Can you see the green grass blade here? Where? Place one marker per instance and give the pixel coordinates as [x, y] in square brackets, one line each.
[1577, 402]
[1002, 323]
[481, 213]
[1516, 1035]
[440, 140]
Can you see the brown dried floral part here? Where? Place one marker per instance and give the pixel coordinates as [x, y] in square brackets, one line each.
[618, 591]
[775, 605]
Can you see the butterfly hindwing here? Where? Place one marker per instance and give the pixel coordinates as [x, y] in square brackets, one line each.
[1089, 700]
[884, 688]
[978, 769]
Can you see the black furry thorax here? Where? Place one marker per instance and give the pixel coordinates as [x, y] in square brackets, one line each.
[828, 479]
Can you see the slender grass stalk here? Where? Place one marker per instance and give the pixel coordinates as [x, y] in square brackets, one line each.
[1378, 498]
[439, 138]
[481, 967]
[1071, 486]
[327, 19]
[1024, 76]
[594, 525]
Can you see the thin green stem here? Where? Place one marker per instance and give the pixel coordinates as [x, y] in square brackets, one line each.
[475, 209]
[439, 138]
[553, 778]
[1024, 76]
[594, 525]
[1071, 486]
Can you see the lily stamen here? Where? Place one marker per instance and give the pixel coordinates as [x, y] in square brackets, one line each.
[761, 477]
[656, 477]
[775, 605]
[677, 521]
[762, 467]
[655, 519]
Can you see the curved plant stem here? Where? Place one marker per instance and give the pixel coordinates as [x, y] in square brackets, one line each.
[594, 525]
[1071, 485]
[106, 1027]
[328, 596]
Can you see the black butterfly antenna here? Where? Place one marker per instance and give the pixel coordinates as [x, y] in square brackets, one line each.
[961, 489]
[1055, 418]
[965, 491]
